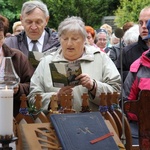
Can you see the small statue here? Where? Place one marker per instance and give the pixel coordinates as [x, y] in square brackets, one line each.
[85, 103]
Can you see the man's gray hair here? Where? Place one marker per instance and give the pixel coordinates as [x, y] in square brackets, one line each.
[73, 23]
[29, 6]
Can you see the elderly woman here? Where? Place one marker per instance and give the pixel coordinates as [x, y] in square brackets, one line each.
[17, 27]
[99, 74]
[102, 39]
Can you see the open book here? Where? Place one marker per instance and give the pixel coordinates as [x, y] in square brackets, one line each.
[64, 74]
[34, 57]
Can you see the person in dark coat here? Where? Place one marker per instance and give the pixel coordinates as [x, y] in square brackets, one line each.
[132, 52]
[138, 79]
[115, 49]
[21, 65]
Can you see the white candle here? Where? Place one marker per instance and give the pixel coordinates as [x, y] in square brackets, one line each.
[6, 112]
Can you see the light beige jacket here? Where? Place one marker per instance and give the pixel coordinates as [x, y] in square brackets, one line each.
[93, 62]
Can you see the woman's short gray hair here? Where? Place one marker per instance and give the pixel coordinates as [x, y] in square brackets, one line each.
[73, 23]
[29, 6]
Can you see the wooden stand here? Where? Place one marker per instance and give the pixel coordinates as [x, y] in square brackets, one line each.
[66, 104]
[106, 101]
[85, 103]
[111, 109]
[104, 111]
[24, 111]
[49, 139]
[141, 108]
[53, 105]
[41, 136]
[39, 116]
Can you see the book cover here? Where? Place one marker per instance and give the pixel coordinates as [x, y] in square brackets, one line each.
[34, 57]
[64, 74]
[75, 131]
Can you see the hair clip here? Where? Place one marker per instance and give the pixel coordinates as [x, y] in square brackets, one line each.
[101, 30]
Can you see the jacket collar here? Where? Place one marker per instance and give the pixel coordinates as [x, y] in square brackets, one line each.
[142, 43]
[7, 51]
[88, 54]
[145, 59]
[22, 35]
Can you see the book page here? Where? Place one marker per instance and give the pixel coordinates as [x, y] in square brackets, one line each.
[73, 70]
[34, 58]
[64, 74]
[58, 73]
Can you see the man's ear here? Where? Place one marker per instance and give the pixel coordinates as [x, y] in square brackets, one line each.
[47, 19]
[20, 18]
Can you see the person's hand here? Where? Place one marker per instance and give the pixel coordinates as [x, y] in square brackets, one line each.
[64, 90]
[16, 89]
[85, 81]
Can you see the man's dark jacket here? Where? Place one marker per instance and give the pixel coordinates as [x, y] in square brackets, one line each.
[115, 51]
[20, 41]
[129, 54]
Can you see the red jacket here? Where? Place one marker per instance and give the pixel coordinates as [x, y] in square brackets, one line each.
[137, 79]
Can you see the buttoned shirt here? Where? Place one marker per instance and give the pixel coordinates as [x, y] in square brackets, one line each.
[39, 43]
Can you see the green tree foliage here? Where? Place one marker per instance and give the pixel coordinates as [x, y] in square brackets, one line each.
[91, 11]
[10, 11]
[129, 11]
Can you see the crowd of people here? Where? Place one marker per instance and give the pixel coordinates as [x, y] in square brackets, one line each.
[97, 50]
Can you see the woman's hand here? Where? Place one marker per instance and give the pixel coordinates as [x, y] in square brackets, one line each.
[85, 81]
[64, 90]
